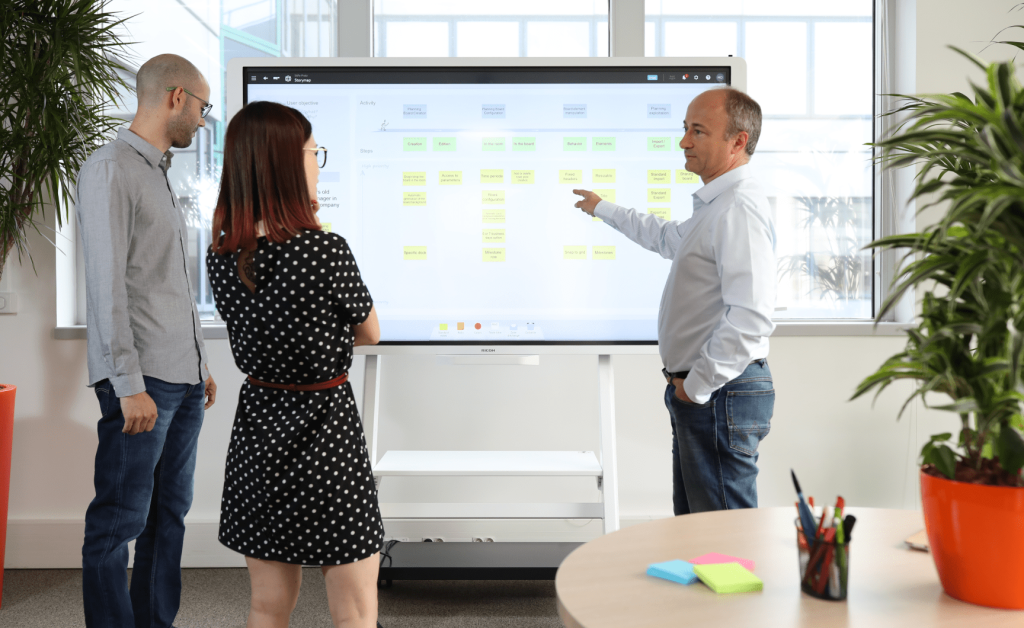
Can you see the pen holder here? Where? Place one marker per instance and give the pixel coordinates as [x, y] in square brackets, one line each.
[824, 567]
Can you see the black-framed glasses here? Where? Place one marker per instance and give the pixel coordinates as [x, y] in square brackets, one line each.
[206, 106]
[321, 155]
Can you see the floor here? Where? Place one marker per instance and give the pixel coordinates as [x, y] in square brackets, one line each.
[219, 598]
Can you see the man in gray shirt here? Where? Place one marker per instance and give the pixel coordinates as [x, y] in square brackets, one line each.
[147, 360]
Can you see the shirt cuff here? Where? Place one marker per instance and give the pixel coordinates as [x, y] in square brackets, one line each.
[692, 388]
[127, 385]
[604, 210]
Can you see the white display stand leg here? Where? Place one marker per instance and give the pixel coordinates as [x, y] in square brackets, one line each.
[609, 481]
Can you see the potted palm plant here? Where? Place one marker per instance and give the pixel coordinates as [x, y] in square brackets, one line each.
[59, 75]
[967, 344]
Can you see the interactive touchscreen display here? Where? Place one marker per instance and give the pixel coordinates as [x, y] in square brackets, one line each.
[454, 189]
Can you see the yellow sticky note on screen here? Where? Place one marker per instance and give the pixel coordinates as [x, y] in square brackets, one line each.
[449, 177]
[661, 212]
[685, 176]
[494, 215]
[414, 253]
[606, 195]
[414, 178]
[574, 251]
[414, 198]
[522, 176]
[570, 176]
[492, 236]
[604, 175]
[493, 197]
[494, 255]
[604, 252]
[659, 176]
[492, 176]
[659, 195]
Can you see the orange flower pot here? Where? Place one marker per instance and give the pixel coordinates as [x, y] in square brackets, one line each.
[976, 536]
[6, 436]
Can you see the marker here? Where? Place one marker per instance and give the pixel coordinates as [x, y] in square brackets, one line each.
[806, 518]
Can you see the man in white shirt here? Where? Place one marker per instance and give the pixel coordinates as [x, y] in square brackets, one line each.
[716, 310]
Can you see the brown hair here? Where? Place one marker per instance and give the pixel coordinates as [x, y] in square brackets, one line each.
[744, 115]
[264, 178]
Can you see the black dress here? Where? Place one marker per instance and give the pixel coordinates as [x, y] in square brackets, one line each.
[298, 486]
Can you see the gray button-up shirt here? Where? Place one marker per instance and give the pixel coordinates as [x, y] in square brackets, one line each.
[141, 313]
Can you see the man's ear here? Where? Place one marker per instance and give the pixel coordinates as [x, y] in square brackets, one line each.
[178, 95]
[739, 142]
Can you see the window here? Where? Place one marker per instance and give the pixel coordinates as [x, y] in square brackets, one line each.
[809, 65]
[470, 28]
[209, 33]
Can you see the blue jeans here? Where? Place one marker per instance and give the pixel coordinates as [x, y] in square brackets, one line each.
[714, 445]
[143, 490]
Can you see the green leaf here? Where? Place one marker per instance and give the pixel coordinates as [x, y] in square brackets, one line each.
[943, 458]
[1010, 447]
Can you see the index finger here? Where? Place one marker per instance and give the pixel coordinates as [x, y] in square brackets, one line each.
[581, 192]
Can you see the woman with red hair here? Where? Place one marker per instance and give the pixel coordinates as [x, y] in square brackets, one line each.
[298, 489]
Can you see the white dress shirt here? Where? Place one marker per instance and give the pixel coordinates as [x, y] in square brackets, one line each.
[716, 310]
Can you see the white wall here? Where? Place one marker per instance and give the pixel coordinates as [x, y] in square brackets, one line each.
[852, 448]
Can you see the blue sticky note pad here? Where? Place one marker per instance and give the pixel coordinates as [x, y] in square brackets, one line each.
[675, 570]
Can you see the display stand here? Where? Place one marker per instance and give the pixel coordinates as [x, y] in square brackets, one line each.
[493, 560]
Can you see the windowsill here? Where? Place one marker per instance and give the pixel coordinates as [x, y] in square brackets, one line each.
[218, 331]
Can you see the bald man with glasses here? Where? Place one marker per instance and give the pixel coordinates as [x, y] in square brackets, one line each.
[147, 359]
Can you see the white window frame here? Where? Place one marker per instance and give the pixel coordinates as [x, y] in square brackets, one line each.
[895, 65]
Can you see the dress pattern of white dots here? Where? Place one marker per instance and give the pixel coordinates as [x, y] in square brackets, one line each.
[298, 487]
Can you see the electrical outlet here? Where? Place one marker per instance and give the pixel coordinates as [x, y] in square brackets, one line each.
[433, 539]
[8, 303]
[483, 539]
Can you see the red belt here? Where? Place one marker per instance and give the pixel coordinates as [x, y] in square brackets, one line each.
[337, 381]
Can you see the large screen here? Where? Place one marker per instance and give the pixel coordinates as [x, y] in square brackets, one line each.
[453, 187]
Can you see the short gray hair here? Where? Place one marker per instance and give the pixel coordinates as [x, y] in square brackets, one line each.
[161, 72]
[744, 115]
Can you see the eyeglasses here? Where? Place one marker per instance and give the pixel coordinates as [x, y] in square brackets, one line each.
[321, 155]
[206, 106]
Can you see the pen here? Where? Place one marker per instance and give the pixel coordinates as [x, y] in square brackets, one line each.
[806, 518]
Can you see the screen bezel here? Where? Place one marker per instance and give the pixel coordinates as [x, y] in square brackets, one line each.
[236, 86]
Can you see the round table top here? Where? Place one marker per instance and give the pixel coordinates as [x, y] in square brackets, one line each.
[604, 582]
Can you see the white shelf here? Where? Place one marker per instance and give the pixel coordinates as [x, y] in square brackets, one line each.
[488, 463]
[583, 510]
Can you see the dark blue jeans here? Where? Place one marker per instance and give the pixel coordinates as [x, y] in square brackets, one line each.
[714, 445]
[143, 491]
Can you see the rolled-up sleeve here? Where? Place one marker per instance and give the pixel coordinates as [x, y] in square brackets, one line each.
[106, 219]
[744, 249]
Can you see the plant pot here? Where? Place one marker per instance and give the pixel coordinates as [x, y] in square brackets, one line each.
[976, 537]
[6, 436]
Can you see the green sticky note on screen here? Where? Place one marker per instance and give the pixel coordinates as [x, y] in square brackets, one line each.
[728, 578]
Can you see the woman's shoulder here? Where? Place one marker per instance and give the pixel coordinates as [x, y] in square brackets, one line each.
[321, 238]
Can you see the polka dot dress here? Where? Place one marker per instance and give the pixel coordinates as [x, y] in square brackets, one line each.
[298, 486]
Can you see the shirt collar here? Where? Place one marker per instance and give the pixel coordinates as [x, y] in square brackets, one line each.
[712, 190]
[151, 153]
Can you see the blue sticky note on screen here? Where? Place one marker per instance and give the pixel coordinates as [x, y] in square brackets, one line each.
[675, 570]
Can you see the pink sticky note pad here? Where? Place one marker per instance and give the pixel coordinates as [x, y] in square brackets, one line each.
[714, 559]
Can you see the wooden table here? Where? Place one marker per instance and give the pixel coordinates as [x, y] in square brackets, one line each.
[604, 584]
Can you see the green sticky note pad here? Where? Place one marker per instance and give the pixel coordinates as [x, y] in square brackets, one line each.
[728, 578]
